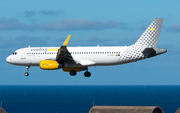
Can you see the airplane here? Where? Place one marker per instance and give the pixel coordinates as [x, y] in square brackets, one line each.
[75, 59]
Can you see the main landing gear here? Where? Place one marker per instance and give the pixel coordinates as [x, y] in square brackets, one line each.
[72, 73]
[86, 74]
[26, 73]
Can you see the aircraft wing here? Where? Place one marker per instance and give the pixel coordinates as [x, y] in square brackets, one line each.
[63, 54]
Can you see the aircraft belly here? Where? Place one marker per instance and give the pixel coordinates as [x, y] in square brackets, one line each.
[32, 60]
[101, 59]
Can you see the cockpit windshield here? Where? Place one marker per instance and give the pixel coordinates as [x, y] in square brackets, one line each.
[15, 53]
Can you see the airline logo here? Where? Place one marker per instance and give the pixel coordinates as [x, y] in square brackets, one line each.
[39, 49]
[53, 49]
[152, 29]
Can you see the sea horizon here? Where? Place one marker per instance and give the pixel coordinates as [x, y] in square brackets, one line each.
[80, 98]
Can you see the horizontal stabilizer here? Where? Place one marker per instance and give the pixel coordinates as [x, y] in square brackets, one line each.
[153, 51]
[149, 52]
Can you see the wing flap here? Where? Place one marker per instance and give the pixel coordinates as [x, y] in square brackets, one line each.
[85, 62]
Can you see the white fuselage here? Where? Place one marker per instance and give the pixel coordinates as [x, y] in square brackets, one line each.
[32, 56]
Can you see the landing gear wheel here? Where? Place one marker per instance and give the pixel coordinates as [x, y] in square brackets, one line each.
[26, 74]
[72, 73]
[87, 74]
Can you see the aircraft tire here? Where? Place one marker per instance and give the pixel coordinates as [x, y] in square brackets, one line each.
[87, 74]
[26, 74]
[72, 73]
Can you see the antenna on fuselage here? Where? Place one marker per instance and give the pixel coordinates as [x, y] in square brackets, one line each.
[29, 46]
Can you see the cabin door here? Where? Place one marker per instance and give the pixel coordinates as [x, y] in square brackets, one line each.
[23, 54]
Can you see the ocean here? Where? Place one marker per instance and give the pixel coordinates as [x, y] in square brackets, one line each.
[80, 99]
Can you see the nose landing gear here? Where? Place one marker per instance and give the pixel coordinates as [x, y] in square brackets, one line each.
[26, 73]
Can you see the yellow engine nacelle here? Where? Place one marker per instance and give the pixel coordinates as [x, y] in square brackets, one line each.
[49, 65]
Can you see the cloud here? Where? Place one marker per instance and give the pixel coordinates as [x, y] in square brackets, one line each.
[173, 28]
[128, 41]
[51, 12]
[80, 24]
[32, 13]
[28, 14]
[143, 27]
[143, 24]
[14, 24]
[23, 41]
[62, 25]
[97, 40]
[125, 27]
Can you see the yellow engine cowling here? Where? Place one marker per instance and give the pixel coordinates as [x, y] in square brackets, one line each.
[49, 65]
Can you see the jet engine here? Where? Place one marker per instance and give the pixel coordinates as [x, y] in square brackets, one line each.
[50, 65]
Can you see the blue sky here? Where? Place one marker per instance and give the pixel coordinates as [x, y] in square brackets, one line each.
[90, 22]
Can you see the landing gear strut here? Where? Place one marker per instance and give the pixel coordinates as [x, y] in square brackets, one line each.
[26, 73]
[72, 73]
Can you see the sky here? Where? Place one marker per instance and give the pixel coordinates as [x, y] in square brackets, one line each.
[90, 22]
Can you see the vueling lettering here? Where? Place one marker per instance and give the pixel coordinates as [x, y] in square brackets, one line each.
[53, 49]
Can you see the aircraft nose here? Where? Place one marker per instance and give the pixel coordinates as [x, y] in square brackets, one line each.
[8, 59]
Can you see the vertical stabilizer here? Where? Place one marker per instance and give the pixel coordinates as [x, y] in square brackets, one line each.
[151, 36]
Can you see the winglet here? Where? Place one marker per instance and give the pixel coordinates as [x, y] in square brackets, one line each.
[67, 40]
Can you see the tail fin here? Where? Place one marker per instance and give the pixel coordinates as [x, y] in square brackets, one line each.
[151, 36]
